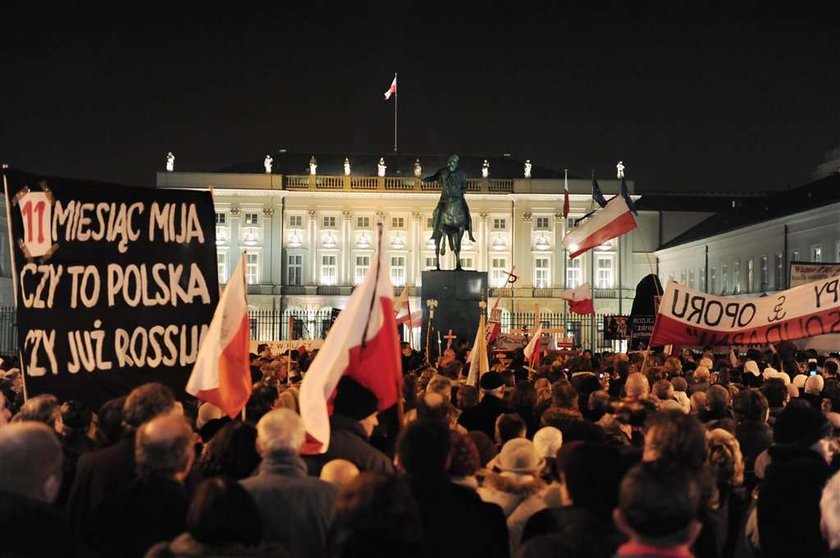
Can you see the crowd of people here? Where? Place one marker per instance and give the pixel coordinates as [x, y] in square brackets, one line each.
[586, 455]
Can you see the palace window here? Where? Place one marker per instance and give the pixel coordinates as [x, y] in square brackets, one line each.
[467, 263]
[499, 224]
[252, 268]
[398, 270]
[604, 272]
[221, 266]
[397, 222]
[252, 219]
[295, 270]
[542, 273]
[498, 272]
[542, 223]
[363, 222]
[574, 273]
[430, 263]
[816, 253]
[295, 221]
[329, 270]
[362, 266]
[328, 222]
[222, 230]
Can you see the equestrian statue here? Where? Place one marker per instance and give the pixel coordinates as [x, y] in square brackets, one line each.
[451, 217]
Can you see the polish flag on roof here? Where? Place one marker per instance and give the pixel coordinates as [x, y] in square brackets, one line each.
[391, 90]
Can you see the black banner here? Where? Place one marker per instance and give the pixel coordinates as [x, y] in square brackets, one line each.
[115, 286]
[616, 328]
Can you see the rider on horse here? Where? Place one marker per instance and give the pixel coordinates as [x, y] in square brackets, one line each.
[453, 185]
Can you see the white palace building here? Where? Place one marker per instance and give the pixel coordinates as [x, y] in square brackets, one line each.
[307, 223]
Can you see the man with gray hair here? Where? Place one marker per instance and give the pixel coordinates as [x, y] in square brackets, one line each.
[296, 509]
[30, 476]
[112, 469]
[154, 506]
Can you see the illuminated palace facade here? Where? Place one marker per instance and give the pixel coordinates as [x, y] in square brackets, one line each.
[308, 228]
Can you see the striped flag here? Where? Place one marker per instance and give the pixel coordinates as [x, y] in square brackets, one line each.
[392, 90]
[610, 222]
[222, 371]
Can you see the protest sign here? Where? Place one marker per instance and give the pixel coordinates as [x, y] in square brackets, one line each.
[804, 272]
[114, 286]
[693, 318]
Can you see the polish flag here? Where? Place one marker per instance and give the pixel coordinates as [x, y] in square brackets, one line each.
[580, 299]
[610, 222]
[414, 320]
[392, 90]
[478, 356]
[534, 347]
[362, 344]
[222, 371]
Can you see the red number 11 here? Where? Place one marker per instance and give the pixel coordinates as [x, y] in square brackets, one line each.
[40, 207]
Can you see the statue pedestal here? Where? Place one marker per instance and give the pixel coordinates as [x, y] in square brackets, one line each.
[458, 294]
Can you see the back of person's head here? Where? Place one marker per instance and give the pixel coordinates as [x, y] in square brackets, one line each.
[30, 460]
[263, 399]
[717, 399]
[145, 403]
[830, 512]
[280, 430]
[109, 420]
[508, 427]
[725, 458]
[231, 452]
[659, 507]
[675, 440]
[223, 513]
[599, 402]
[814, 385]
[524, 395]
[44, 409]
[423, 448]
[376, 516]
[467, 397]
[563, 395]
[487, 450]
[339, 472]
[830, 367]
[464, 458]
[679, 383]
[750, 404]
[637, 385]
[76, 417]
[663, 390]
[591, 473]
[441, 385]
[775, 391]
[163, 447]
[702, 374]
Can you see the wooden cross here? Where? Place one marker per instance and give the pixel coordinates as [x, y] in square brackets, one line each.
[449, 337]
[537, 325]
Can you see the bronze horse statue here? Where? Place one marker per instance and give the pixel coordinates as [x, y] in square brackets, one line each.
[451, 217]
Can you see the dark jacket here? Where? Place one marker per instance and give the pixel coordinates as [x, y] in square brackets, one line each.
[570, 531]
[348, 441]
[754, 437]
[32, 529]
[789, 503]
[296, 509]
[98, 474]
[483, 416]
[456, 523]
[73, 445]
[128, 522]
[186, 546]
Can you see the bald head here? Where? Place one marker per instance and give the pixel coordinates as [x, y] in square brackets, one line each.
[163, 447]
[280, 430]
[30, 460]
[637, 385]
[339, 472]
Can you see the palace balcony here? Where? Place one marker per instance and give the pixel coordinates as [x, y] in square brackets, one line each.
[388, 184]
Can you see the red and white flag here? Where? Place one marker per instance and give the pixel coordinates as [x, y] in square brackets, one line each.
[612, 221]
[580, 299]
[362, 344]
[392, 90]
[222, 370]
[534, 348]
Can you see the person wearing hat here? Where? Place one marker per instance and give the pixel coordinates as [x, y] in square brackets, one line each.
[483, 416]
[788, 504]
[351, 425]
[516, 486]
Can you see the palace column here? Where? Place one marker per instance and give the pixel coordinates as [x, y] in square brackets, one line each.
[312, 248]
[346, 243]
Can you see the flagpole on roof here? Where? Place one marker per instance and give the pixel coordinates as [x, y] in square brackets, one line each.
[396, 98]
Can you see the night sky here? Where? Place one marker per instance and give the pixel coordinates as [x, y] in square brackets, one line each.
[715, 95]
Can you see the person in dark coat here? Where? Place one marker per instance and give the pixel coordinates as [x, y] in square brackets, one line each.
[74, 441]
[30, 525]
[483, 416]
[296, 509]
[456, 523]
[112, 469]
[788, 504]
[753, 433]
[153, 506]
[351, 425]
